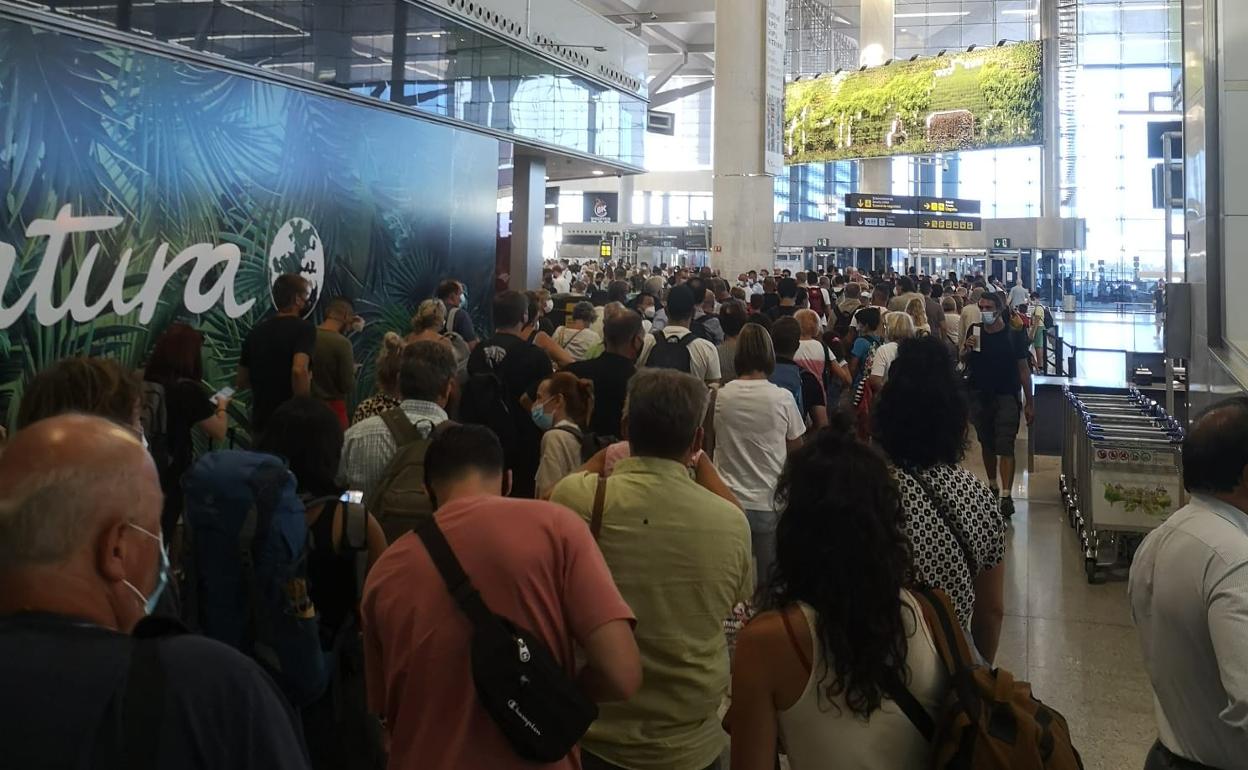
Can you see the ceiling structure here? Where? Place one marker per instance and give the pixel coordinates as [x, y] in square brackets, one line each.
[681, 36]
[821, 33]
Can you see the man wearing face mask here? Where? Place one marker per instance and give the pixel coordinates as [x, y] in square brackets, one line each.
[333, 360]
[276, 360]
[999, 361]
[81, 564]
[646, 309]
[610, 372]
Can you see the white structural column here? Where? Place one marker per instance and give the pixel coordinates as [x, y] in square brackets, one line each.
[876, 44]
[627, 186]
[528, 217]
[1050, 156]
[744, 200]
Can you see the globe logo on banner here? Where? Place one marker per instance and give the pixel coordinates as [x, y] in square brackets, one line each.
[600, 209]
[297, 248]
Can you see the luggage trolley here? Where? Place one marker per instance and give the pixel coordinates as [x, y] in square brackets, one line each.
[1122, 474]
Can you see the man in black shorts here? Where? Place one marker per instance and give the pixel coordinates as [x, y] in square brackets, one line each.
[998, 358]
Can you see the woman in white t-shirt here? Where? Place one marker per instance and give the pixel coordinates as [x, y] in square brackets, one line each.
[898, 326]
[822, 667]
[577, 337]
[756, 424]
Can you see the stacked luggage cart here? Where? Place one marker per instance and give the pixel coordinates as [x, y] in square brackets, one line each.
[1121, 473]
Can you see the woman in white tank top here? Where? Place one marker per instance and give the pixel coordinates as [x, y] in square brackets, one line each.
[813, 674]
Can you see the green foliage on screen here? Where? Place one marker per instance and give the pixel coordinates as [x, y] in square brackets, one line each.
[965, 101]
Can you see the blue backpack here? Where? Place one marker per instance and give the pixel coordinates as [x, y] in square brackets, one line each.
[789, 377]
[244, 575]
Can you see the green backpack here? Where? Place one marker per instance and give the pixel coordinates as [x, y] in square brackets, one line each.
[399, 501]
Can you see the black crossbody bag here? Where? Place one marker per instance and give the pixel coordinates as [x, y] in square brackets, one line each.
[522, 687]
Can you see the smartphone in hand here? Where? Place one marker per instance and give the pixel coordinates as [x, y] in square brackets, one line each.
[226, 393]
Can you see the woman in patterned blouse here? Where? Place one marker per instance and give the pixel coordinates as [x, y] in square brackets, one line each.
[952, 518]
[387, 396]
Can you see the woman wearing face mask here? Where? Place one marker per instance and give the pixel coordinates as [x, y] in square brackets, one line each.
[544, 306]
[562, 411]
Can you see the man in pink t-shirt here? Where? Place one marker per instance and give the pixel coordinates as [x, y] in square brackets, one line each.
[533, 562]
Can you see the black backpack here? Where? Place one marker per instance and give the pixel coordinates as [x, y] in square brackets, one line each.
[487, 402]
[154, 417]
[1049, 323]
[840, 326]
[671, 352]
[591, 443]
[525, 691]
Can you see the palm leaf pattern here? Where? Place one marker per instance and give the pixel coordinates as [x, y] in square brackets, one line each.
[185, 154]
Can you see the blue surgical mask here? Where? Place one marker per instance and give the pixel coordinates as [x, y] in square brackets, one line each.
[162, 577]
[990, 317]
[542, 418]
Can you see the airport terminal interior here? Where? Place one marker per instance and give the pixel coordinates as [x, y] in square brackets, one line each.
[949, 293]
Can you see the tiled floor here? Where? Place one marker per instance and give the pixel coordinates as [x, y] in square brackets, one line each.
[1074, 642]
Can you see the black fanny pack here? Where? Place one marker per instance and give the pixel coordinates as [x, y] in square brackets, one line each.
[522, 687]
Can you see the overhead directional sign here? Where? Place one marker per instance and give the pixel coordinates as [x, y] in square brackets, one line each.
[947, 223]
[946, 206]
[872, 202]
[1000, 243]
[879, 219]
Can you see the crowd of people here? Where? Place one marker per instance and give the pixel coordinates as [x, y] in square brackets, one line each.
[628, 466]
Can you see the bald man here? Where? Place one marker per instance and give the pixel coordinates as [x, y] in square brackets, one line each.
[82, 563]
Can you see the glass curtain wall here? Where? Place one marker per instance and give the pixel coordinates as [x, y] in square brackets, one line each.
[1129, 56]
[1129, 52]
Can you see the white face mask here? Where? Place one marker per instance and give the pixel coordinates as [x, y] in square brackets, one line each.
[648, 312]
[357, 325]
[549, 305]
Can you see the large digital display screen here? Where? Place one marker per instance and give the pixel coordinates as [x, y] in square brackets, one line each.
[973, 100]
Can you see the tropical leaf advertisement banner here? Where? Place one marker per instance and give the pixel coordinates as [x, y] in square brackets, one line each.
[140, 190]
[974, 100]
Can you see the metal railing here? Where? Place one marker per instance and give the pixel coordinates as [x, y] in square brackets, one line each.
[1058, 358]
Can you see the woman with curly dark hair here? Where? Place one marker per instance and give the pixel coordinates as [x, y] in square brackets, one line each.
[952, 517]
[841, 632]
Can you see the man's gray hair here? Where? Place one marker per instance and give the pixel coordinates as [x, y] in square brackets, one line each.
[665, 410]
[48, 515]
[654, 286]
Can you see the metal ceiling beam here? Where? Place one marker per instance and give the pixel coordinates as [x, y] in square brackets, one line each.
[660, 80]
[653, 17]
[690, 48]
[672, 94]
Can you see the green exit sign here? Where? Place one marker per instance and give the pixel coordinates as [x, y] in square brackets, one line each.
[1001, 243]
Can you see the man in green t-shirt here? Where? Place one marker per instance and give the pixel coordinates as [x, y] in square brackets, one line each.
[333, 360]
[680, 555]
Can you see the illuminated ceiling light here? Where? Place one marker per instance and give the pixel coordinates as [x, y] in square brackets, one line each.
[1020, 12]
[598, 172]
